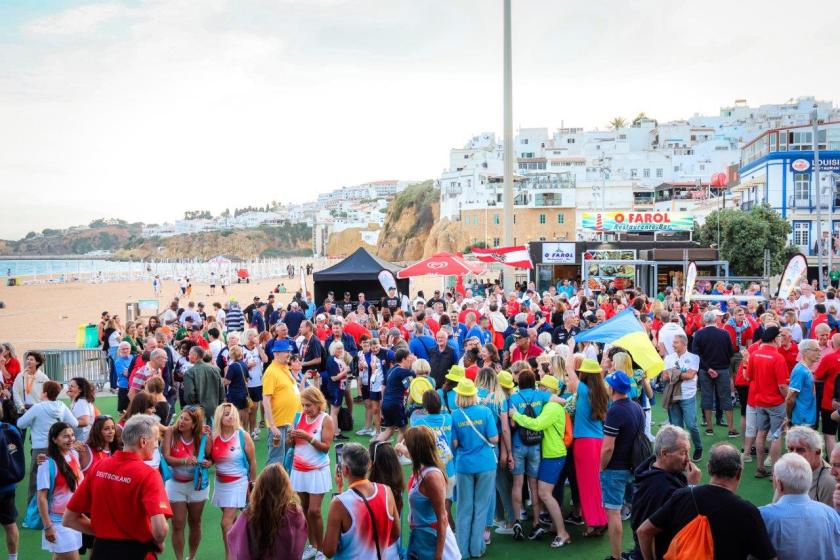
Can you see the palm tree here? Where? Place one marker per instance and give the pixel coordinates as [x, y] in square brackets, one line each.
[617, 122]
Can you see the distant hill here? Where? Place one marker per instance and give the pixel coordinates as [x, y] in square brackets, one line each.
[123, 240]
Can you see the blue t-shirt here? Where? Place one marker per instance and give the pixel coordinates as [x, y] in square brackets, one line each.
[519, 401]
[121, 367]
[420, 346]
[236, 374]
[396, 384]
[805, 408]
[473, 454]
[447, 403]
[483, 336]
[584, 425]
[495, 407]
[443, 423]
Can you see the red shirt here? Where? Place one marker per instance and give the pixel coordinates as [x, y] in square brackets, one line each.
[827, 371]
[471, 372]
[12, 371]
[791, 355]
[742, 368]
[462, 316]
[821, 318]
[356, 331]
[533, 352]
[433, 325]
[767, 370]
[746, 334]
[323, 333]
[122, 493]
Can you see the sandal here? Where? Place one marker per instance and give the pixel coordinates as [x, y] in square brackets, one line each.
[594, 532]
[761, 472]
[560, 541]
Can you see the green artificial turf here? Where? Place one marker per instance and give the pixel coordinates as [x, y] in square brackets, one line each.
[758, 492]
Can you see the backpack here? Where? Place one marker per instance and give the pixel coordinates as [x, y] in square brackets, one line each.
[345, 419]
[694, 541]
[529, 437]
[641, 450]
[443, 450]
[32, 517]
[12, 461]
[568, 431]
[246, 463]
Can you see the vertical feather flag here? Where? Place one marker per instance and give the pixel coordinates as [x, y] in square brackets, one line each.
[626, 331]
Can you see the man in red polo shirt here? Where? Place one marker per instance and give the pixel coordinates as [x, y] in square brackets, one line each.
[125, 497]
[788, 348]
[768, 373]
[826, 373]
[523, 349]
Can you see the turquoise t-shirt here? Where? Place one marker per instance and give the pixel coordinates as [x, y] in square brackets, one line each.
[520, 400]
[443, 423]
[495, 407]
[585, 426]
[805, 408]
[473, 454]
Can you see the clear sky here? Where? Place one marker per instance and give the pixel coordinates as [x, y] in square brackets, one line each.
[141, 109]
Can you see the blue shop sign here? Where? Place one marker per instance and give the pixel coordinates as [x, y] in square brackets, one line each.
[804, 165]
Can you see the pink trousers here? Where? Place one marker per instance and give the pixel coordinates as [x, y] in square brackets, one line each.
[588, 473]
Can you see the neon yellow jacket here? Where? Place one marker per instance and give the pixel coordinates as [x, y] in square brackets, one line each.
[552, 422]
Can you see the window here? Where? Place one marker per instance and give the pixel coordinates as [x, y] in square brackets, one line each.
[773, 142]
[542, 218]
[801, 186]
[646, 173]
[800, 140]
[496, 219]
[634, 172]
[524, 141]
[561, 219]
[570, 140]
[702, 167]
[801, 231]
[514, 218]
[496, 242]
[659, 172]
[782, 141]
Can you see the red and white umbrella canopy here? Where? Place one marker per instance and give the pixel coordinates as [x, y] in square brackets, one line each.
[441, 264]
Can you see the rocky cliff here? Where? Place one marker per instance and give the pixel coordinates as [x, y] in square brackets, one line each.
[408, 222]
[343, 243]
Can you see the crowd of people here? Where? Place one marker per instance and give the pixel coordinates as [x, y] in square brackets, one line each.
[510, 428]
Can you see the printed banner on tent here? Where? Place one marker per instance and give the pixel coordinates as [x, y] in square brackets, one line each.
[795, 270]
[637, 221]
[690, 279]
[387, 280]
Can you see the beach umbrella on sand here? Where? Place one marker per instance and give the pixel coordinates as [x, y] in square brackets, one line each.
[219, 260]
[441, 264]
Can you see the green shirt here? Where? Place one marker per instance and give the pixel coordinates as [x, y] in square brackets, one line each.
[834, 275]
[552, 422]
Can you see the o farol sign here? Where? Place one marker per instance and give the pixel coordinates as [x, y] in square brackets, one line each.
[558, 253]
[637, 221]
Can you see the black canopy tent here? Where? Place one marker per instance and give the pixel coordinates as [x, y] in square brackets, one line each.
[357, 273]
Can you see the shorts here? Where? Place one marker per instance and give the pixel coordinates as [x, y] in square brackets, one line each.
[336, 396]
[185, 492]
[231, 494]
[769, 419]
[829, 426]
[743, 394]
[122, 399]
[365, 391]
[526, 460]
[241, 403]
[8, 511]
[66, 540]
[752, 422]
[375, 396]
[550, 469]
[393, 415]
[720, 385]
[614, 484]
[255, 393]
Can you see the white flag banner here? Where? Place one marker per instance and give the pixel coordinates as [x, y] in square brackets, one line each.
[795, 271]
[690, 280]
[387, 280]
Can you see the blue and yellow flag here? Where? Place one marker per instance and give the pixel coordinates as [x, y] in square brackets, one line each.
[626, 331]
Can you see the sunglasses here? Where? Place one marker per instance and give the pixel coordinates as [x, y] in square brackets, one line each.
[376, 448]
[103, 417]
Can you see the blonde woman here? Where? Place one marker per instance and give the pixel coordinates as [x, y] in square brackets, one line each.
[232, 453]
[312, 437]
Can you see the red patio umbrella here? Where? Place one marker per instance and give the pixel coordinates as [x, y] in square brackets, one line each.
[441, 264]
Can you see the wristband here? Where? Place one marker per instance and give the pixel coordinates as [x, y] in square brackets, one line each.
[49, 527]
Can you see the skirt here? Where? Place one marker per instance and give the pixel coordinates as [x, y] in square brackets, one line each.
[184, 492]
[587, 472]
[423, 540]
[231, 494]
[66, 540]
[312, 482]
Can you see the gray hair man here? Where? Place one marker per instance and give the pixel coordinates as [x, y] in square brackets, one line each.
[119, 484]
[806, 442]
[798, 526]
[680, 398]
[718, 358]
[668, 470]
[736, 524]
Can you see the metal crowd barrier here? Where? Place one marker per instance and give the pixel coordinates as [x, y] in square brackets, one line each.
[91, 363]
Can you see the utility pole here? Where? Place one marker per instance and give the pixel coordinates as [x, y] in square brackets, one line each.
[508, 117]
[815, 177]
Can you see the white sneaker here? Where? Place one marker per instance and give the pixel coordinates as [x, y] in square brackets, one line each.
[363, 432]
[746, 457]
[504, 530]
[309, 552]
[768, 462]
[320, 556]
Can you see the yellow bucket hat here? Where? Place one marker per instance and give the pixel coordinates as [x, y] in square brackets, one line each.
[466, 388]
[456, 373]
[550, 382]
[589, 366]
[505, 379]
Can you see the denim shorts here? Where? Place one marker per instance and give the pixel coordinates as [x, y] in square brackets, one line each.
[550, 469]
[526, 460]
[613, 485]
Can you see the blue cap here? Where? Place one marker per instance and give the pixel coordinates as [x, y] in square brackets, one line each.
[281, 346]
[620, 382]
[521, 332]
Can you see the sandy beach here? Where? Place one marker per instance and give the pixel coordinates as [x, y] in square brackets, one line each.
[48, 315]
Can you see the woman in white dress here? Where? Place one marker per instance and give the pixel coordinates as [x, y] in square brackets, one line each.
[312, 438]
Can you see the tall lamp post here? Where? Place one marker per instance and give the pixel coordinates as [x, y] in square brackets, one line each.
[816, 180]
[508, 140]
